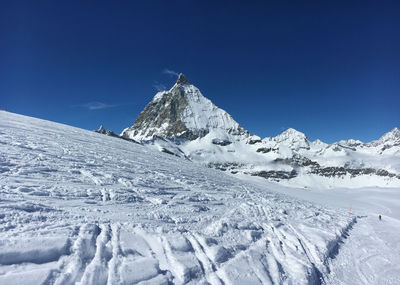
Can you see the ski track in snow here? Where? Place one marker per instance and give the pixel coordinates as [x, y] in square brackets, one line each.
[77, 207]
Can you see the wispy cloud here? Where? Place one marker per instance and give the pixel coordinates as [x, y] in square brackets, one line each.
[159, 86]
[170, 72]
[97, 106]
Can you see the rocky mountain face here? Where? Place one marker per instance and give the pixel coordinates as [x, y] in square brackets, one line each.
[182, 122]
[182, 112]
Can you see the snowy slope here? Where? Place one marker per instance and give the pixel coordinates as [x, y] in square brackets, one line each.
[369, 252]
[80, 207]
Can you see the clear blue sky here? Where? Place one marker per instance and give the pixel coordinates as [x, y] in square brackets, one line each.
[330, 69]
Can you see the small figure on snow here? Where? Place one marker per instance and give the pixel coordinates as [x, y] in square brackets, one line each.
[380, 217]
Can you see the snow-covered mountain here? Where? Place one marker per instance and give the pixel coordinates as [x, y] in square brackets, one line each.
[387, 141]
[183, 122]
[181, 112]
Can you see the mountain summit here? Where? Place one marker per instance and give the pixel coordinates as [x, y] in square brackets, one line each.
[182, 79]
[181, 112]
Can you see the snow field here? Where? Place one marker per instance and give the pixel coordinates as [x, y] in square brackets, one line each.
[78, 207]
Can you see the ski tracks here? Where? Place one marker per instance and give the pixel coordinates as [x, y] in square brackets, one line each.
[208, 266]
[93, 257]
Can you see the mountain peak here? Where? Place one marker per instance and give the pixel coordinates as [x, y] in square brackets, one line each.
[388, 139]
[395, 132]
[182, 79]
[101, 129]
[391, 135]
[292, 133]
[182, 112]
[293, 138]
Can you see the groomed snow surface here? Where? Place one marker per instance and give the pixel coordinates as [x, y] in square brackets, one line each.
[77, 207]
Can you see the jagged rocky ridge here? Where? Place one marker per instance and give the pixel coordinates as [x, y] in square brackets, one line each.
[103, 131]
[182, 112]
[182, 122]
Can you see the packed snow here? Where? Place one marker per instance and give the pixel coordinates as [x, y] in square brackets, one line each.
[79, 207]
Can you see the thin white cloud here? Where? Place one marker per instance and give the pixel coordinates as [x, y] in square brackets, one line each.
[159, 86]
[97, 106]
[170, 72]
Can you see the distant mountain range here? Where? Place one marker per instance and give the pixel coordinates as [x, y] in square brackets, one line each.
[182, 122]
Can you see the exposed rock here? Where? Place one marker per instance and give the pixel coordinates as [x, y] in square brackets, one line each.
[297, 160]
[221, 142]
[382, 172]
[254, 139]
[167, 111]
[182, 113]
[163, 149]
[225, 165]
[110, 133]
[347, 147]
[341, 171]
[272, 174]
[103, 131]
[265, 149]
[182, 79]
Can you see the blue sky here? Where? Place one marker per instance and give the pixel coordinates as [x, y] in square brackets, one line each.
[330, 69]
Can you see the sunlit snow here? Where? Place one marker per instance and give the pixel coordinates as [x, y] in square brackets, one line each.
[78, 207]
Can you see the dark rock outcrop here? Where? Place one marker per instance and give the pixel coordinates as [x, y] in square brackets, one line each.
[182, 79]
[253, 141]
[275, 174]
[165, 110]
[221, 142]
[103, 131]
[265, 149]
[110, 133]
[231, 166]
[163, 149]
[341, 171]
